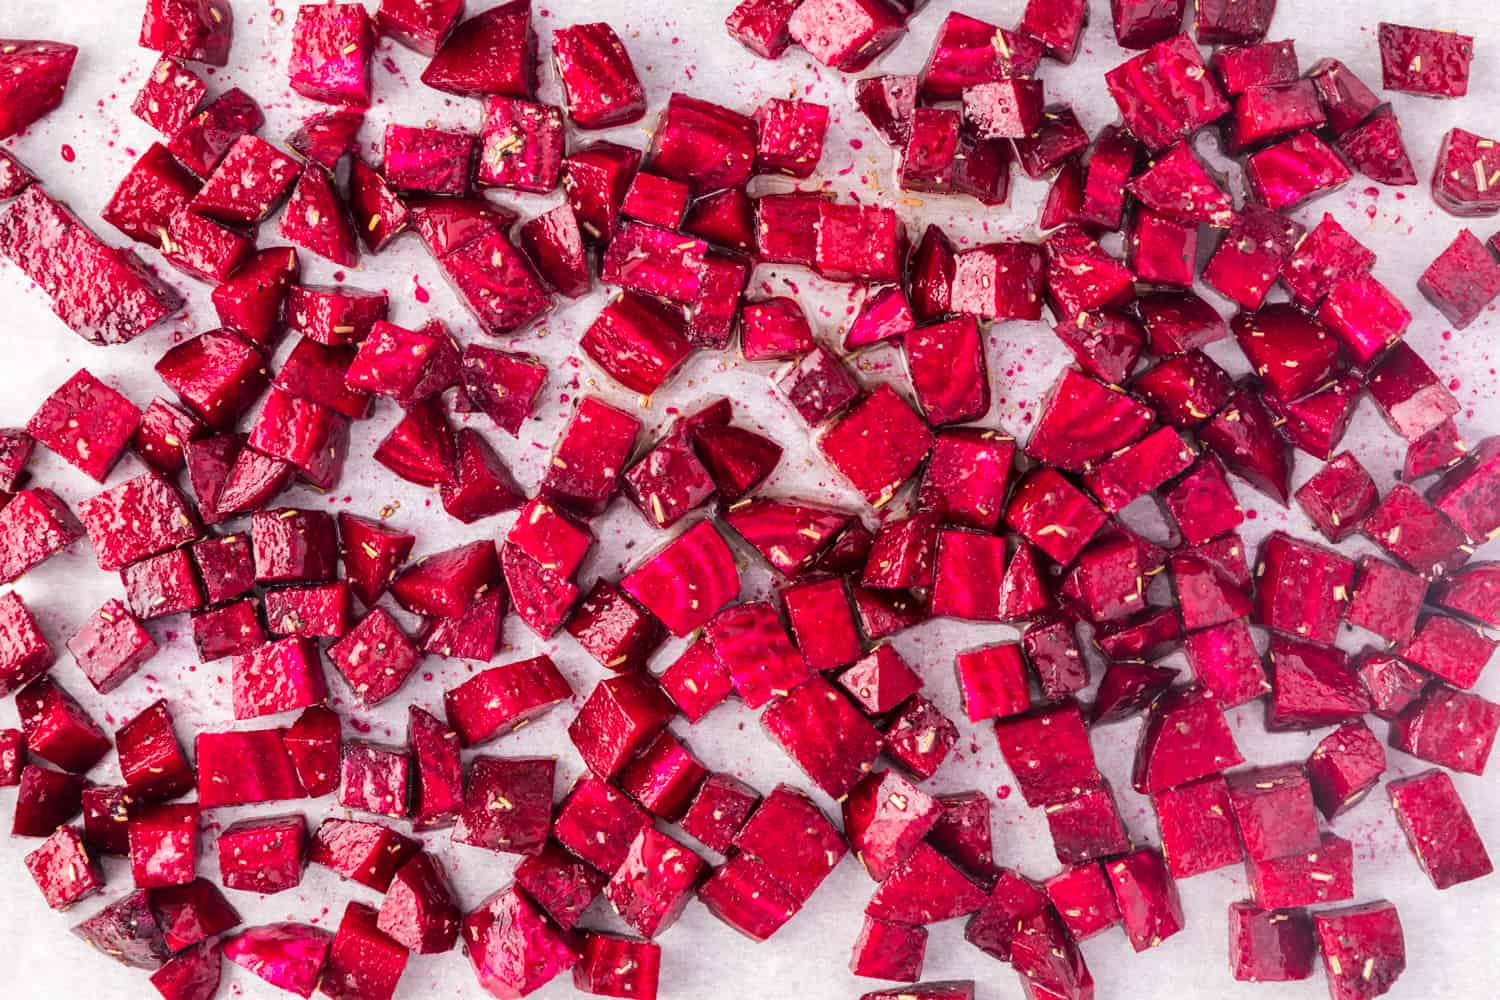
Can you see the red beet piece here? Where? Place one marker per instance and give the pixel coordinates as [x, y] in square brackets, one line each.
[1439, 829]
[1058, 24]
[36, 75]
[151, 759]
[600, 85]
[263, 855]
[1048, 752]
[57, 728]
[827, 737]
[512, 948]
[127, 931]
[761, 26]
[493, 52]
[63, 870]
[1269, 946]
[1197, 829]
[318, 220]
[1185, 738]
[1149, 908]
[1425, 62]
[1166, 93]
[1338, 497]
[1364, 950]
[846, 36]
[238, 768]
[163, 845]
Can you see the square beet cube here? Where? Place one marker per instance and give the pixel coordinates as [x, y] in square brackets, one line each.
[86, 423]
[1197, 827]
[1273, 807]
[1387, 600]
[1439, 829]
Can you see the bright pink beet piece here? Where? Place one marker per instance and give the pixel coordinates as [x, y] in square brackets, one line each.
[687, 581]
[511, 947]
[507, 804]
[762, 26]
[363, 963]
[287, 955]
[827, 737]
[493, 52]
[264, 855]
[599, 81]
[1439, 829]
[1149, 908]
[1270, 946]
[418, 911]
[364, 852]
[497, 700]
[63, 870]
[1185, 738]
[846, 36]
[1364, 949]
[1197, 827]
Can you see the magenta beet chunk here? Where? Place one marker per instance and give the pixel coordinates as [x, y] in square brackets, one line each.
[881, 681]
[192, 913]
[137, 519]
[317, 219]
[925, 888]
[334, 316]
[277, 677]
[542, 597]
[111, 646]
[289, 956]
[1466, 494]
[1198, 833]
[1364, 949]
[263, 855]
[1225, 661]
[585, 468]
[1087, 827]
[1461, 179]
[154, 190]
[686, 582]
[1150, 910]
[1269, 946]
[1453, 650]
[364, 852]
[1054, 515]
[827, 737]
[437, 161]
[169, 97]
[495, 701]
[363, 963]
[753, 646]
[1386, 600]
[598, 824]
[719, 811]
[561, 884]
[1425, 62]
[600, 85]
[507, 804]
[762, 26]
[613, 629]
[1083, 421]
[1302, 589]
[511, 947]
[1377, 149]
[885, 818]
[1048, 752]
[375, 657]
[1324, 875]
[493, 52]
[1414, 532]
[1439, 829]
[85, 422]
[1410, 395]
[1185, 738]
[846, 36]
[57, 728]
[653, 884]
[621, 716]
[445, 584]
[822, 622]
[127, 931]
[106, 809]
[45, 800]
[217, 375]
[1365, 315]
[36, 75]
[1338, 497]
[704, 145]
[331, 52]
[163, 845]
[1312, 686]
[152, 762]
[63, 870]
[34, 526]
[418, 912]
[1166, 93]
[237, 768]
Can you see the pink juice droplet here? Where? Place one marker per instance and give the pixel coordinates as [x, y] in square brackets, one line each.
[420, 292]
[68, 154]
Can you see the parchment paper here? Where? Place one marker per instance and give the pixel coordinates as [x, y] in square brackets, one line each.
[683, 46]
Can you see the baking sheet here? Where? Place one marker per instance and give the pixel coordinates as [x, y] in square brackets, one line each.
[83, 149]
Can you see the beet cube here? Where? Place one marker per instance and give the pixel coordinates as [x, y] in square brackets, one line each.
[163, 845]
[1269, 946]
[827, 737]
[239, 768]
[1364, 950]
[493, 52]
[57, 728]
[127, 931]
[600, 85]
[151, 760]
[1048, 752]
[263, 855]
[1198, 833]
[507, 804]
[36, 76]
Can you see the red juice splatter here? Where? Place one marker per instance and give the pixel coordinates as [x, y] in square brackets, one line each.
[68, 154]
[420, 292]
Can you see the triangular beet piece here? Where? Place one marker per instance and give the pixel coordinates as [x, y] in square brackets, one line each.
[317, 219]
[1022, 592]
[925, 889]
[542, 598]
[738, 459]
[1243, 435]
[493, 52]
[1084, 421]
[786, 533]
[1128, 687]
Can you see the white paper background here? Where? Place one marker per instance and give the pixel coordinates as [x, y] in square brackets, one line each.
[1450, 935]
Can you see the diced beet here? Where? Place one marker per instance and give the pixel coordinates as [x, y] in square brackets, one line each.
[127, 931]
[846, 36]
[238, 768]
[263, 855]
[1186, 737]
[111, 646]
[1312, 686]
[152, 761]
[493, 52]
[1147, 895]
[63, 870]
[1198, 833]
[827, 737]
[57, 728]
[1364, 950]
